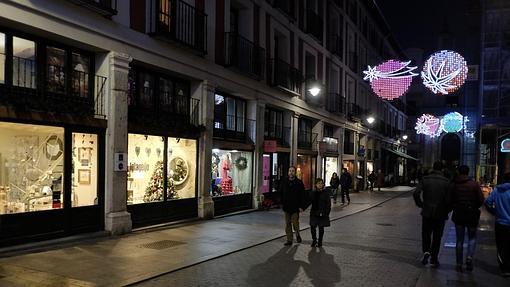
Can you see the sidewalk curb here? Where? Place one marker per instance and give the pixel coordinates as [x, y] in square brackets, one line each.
[261, 243]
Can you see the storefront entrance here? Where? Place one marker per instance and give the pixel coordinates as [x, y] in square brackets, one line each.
[51, 182]
[275, 168]
[306, 169]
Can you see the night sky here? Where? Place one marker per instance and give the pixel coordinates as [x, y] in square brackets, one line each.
[417, 24]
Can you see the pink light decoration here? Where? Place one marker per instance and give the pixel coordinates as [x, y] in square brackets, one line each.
[444, 72]
[391, 79]
[428, 125]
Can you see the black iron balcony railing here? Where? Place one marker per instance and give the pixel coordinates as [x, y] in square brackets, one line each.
[314, 24]
[336, 45]
[331, 144]
[180, 22]
[234, 127]
[244, 55]
[106, 8]
[307, 140]
[348, 148]
[286, 6]
[335, 103]
[76, 93]
[354, 111]
[285, 76]
[279, 133]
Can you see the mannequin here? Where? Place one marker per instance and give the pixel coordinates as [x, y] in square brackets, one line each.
[226, 180]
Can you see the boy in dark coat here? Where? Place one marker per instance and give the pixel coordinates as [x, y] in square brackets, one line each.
[319, 213]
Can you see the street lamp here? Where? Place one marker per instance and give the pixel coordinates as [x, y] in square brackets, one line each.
[370, 120]
[314, 90]
[404, 137]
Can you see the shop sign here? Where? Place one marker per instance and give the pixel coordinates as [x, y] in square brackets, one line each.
[505, 145]
[266, 176]
[270, 146]
[361, 151]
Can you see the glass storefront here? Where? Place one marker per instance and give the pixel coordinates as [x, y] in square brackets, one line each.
[330, 166]
[147, 168]
[84, 171]
[231, 172]
[306, 169]
[32, 168]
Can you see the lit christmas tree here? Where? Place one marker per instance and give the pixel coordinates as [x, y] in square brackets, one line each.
[154, 192]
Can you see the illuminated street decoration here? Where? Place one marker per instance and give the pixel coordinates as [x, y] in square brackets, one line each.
[390, 79]
[444, 72]
[428, 125]
[505, 145]
[453, 122]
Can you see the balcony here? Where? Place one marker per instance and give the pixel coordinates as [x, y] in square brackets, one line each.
[335, 103]
[330, 145]
[244, 56]
[307, 140]
[354, 111]
[336, 45]
[179, 22]
[80, 94]
[279, 133]
[314, 25]
[283, 75]
[235, 128]
[286, 6]
[106, 8]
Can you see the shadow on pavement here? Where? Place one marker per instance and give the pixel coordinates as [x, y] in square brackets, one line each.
[278, 270]
[321, 268]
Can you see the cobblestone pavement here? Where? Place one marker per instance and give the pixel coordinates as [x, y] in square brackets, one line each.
[377, 247]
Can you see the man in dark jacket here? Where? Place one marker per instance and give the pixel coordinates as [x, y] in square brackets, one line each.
[431, 195]
[345, 184]
[292, 192]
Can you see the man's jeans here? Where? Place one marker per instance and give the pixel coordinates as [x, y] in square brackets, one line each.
[431, 234]
[291, 220]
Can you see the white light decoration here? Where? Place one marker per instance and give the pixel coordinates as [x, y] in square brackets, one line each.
[428, 125]
[505, 145]
[444, 72]
[390, 79]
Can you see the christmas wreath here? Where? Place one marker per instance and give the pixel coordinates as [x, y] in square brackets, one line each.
[241, 163]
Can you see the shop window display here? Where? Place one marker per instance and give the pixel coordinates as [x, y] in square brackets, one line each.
[231, 172]
[330, 167]
[31, 168]
[84, 171]
[146, 170]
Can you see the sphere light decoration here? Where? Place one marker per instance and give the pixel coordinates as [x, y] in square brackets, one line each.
[444, 72]
[453, 122]
[428, 125]
[505, 145]
[391, 79]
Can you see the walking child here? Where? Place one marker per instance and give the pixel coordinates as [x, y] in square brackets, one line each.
[319, 213]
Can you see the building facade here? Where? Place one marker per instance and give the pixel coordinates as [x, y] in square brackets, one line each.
[122, 114]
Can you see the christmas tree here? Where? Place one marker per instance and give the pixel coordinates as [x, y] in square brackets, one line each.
[154, 192]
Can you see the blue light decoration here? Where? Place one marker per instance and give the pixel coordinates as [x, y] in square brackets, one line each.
[453, 122]
[505, 145]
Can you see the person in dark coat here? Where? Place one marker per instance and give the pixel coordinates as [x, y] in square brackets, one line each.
[466, 198]
[334, 182]
[371, 179]
[431, 195]
[345, 183]
[319, 213]
[292, 197]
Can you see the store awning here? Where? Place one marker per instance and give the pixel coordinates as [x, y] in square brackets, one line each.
[400, 154]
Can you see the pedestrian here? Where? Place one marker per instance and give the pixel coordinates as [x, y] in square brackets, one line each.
[292, 193]
[371, 179]
[431, 195]
[498, 203]
[345, 184]
[334, 182]
[319, 213]
[380, 179]
[466, 198]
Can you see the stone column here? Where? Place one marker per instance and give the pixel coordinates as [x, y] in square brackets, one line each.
[117, 219]
[319, 130]
[294, 138]
[205, 144]
[256, 111]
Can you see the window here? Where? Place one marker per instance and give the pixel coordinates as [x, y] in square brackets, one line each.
[23, 63]
[56, 65]
[146, 85]
[81, 68]
[273, 124]
[32, 160]
[229, 114]
[84, 172]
